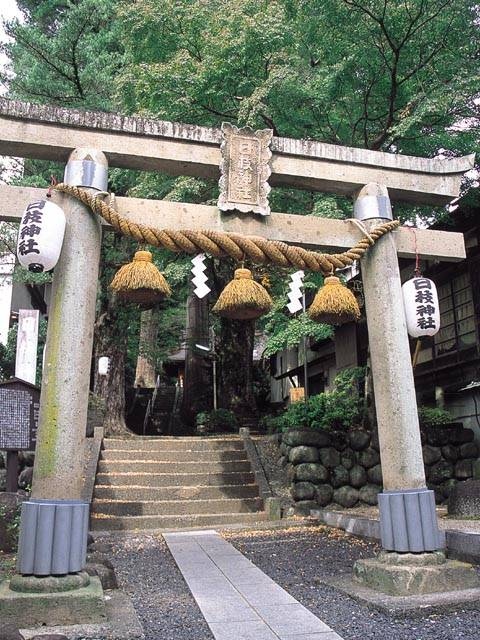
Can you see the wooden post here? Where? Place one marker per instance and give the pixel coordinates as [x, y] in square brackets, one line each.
[12, 471]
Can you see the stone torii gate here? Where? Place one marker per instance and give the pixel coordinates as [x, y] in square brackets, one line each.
[32, 131]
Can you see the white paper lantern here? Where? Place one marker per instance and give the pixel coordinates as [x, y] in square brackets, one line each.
[103, 365]
[422, 310]
[40, 236]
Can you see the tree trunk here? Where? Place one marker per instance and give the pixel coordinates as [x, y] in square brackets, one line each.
[197, 391]
[235, 364]
[145, 376]
[235, 357]
[111, 341]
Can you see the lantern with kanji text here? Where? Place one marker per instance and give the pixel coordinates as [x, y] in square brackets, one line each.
[40, 236]
[422, 311]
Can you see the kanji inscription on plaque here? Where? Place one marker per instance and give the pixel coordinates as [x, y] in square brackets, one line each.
[19, 405]
[245, 169]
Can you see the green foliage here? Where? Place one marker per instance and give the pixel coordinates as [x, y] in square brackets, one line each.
[10, 523]
[8, 352]
[285, 331]
[8, 240]
[217, 420]
[433, 416]
[65, 53]
[222, 420]
[363, 73]
[338, 409]
[24, 276]
[332, 207]
[290, 333]
[202, 418]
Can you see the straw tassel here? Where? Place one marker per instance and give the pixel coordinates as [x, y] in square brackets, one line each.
[243, 298]
[140, 281]
[334, 303]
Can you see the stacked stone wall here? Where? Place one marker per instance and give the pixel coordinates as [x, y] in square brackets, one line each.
[344, 468]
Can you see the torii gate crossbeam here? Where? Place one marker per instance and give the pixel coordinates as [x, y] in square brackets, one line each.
[51, 133]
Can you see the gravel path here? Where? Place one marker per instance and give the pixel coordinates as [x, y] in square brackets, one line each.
[147, 572]
[298, 559]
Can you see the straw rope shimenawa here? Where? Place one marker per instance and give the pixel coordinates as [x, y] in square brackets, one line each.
[221, 243]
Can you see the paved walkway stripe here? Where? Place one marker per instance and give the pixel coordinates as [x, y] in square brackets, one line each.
[238, 600]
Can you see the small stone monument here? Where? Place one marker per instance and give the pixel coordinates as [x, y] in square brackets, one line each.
[464, 500]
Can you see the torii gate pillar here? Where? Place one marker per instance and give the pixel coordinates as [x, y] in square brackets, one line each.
[54, 527]
[407, 508]
[412, 562]
[408, 519]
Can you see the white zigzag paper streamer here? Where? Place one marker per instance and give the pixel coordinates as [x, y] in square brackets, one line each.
[200, 279]
[295, 293]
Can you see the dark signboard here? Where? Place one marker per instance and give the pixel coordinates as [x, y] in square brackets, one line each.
[19, 405]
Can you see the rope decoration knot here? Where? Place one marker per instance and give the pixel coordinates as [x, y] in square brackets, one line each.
[220, 244]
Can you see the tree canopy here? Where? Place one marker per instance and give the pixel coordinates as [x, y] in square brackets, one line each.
[378, 74]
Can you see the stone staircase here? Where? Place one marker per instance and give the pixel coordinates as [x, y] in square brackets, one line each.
[167, 483]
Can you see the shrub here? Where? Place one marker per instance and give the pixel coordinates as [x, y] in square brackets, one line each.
[433, 416]
[218, 420]
[9, 526]
[222, 420]
[337, 409]
[202, 418]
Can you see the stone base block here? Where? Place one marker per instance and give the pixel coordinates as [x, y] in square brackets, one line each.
[408, 606]
[49, 584]
[122, 624]
[414, 574]
[80, 606]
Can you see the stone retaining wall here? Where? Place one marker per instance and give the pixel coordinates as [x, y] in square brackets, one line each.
[344, 468]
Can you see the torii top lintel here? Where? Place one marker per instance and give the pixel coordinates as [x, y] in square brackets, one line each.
[51, 133]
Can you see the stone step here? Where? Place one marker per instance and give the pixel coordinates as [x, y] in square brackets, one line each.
[173, 456]
[141, 466]
[171, 507]
[176, 493]
[174, 444]
[175, 479]
[111, 523]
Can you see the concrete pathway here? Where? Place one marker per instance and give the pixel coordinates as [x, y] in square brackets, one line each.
[238, 601]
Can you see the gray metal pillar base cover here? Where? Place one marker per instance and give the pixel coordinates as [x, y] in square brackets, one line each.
[53, 537]
[408, 521]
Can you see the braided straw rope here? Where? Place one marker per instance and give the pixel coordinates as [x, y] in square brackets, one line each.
[221, 243]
